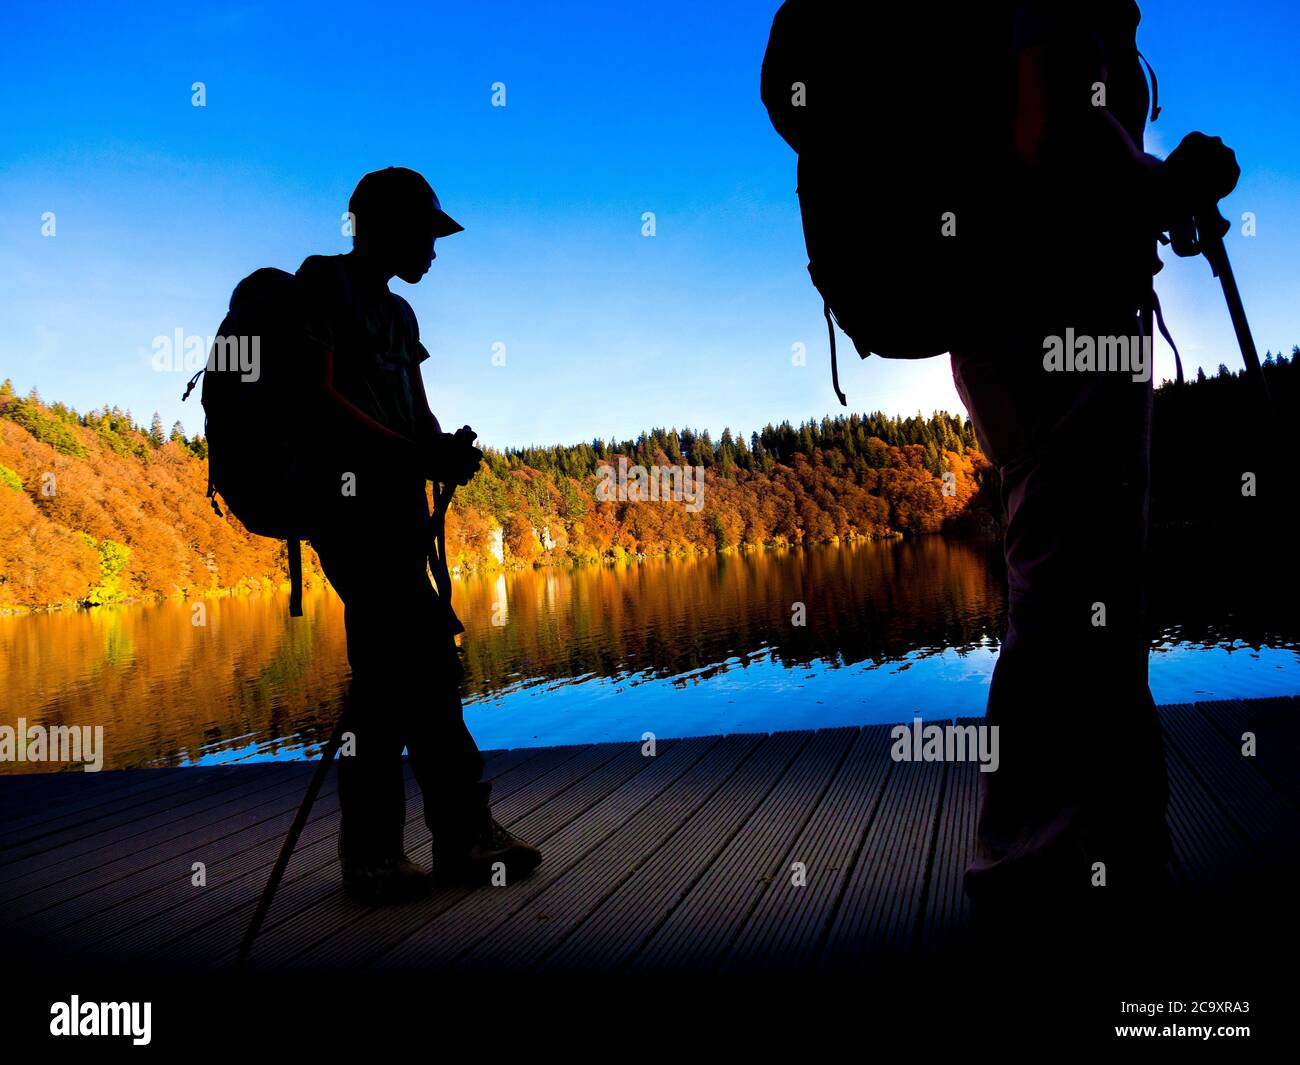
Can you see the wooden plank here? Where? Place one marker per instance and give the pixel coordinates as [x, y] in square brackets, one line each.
[947, 909]
[209, 928]
[370, 935]
[304, 890]
[66, 783]
[147, 909]
[614, 928]
[455, 931]
[107, 879]
[564, 903]
[100, 821]
[1258, 810]
[33, 882]
[678, 863]
[324, 934]
[226, 850]
[1275, 724]
[51, 797]
[695, 934]
[1207, 846]
[788, 925]
[884, 895]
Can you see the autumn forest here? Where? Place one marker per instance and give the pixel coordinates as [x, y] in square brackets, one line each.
[98, 509]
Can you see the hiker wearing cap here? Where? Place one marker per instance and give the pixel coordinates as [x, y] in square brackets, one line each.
[380, 444]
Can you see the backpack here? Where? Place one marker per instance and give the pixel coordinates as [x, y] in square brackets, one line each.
[259, 459]
[908, 213]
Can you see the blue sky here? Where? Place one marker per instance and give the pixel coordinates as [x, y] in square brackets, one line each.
[611, 110]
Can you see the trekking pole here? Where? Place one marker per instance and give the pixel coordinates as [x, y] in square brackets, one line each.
[1211, 227]
[442, 493]
[291, 840]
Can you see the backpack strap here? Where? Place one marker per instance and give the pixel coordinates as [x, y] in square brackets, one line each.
[1155, 87]
[835, 366]
[294, 549]
[1151, 308]
[212, 493]
[193, 381]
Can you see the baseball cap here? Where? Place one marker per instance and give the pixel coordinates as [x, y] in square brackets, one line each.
[396, 192]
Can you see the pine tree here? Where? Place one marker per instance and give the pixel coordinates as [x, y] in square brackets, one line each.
[702, 453]
[673, 448]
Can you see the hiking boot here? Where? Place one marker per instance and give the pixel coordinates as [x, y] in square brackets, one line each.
[383, 883]
[471, 860]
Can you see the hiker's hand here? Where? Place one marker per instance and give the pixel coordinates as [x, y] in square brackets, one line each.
[466, 458]
[453, 458]
[1198, 174]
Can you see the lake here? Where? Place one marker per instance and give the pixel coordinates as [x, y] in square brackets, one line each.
[676, 647]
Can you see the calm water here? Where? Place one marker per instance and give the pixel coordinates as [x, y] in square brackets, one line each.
[682, 647]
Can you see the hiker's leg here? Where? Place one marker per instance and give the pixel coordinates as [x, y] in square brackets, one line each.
[469, 847]
[447, 764]
[372, 792]
[1129, 789]
[444, 757]
[1080, 605]
[1027, 826]
[1077, 729]
[422, 670]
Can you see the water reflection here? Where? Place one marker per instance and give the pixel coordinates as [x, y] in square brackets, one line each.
[665, 618]
[766, 640]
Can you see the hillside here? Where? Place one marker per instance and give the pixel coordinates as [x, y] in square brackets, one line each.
[97, 509]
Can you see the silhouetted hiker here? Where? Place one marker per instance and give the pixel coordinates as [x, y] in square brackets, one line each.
[382, 443]
[1025, 122]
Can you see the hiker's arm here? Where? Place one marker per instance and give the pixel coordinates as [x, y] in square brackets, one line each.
[452, 456]
[384, 440]
[1060, 133]
[429, 421]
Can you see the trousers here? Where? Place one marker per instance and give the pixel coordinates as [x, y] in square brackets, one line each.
[406, 674]
[1080, 796]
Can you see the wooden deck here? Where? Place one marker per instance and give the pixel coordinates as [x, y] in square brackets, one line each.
[680, 863]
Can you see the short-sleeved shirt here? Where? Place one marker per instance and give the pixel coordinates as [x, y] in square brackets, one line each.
[375, 340]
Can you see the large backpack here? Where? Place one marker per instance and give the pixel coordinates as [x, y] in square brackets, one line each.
[259, 457]
[902, 132]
